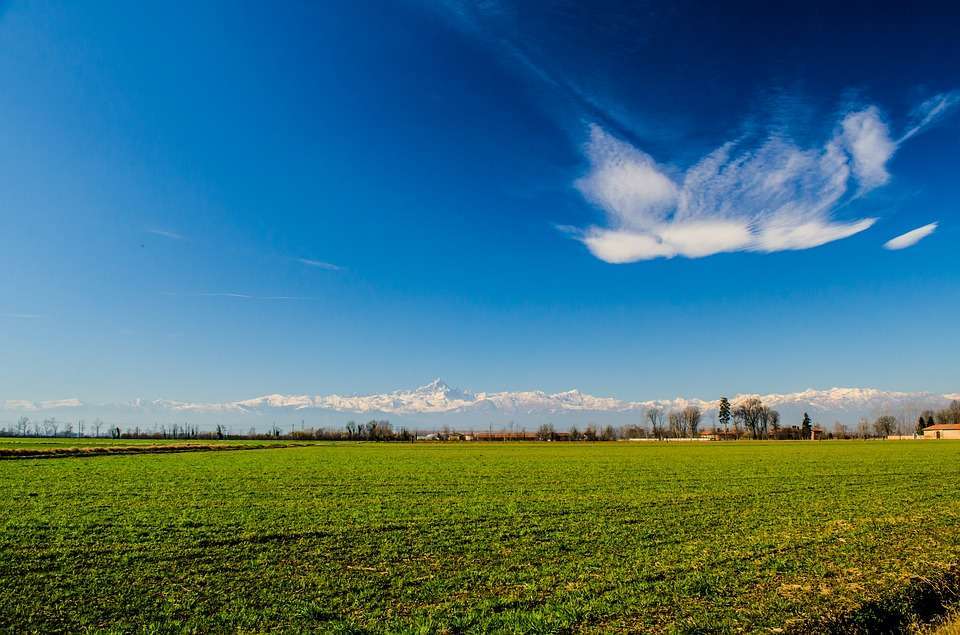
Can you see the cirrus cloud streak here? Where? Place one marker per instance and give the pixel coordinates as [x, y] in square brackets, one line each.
[319, 264]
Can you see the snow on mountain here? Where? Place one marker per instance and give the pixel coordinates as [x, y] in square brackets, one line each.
[438, 399]
[24, 405]
[842, 398]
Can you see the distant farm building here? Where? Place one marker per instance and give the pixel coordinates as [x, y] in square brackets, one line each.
[942, 431]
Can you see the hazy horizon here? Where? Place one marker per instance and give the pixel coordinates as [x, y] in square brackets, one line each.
[437, 404]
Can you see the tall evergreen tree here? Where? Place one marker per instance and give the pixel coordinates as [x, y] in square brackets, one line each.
[724, 413]
[806, 426]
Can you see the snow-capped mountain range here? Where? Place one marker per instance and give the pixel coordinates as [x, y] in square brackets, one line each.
[436, 403]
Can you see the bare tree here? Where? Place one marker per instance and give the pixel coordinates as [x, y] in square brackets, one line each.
[750, 412]
[773, 418]
[738, 421]
[655, 417]
[885, 425]
[675, 421]
[691, 419]
[545, 432]
[632, 431]
[590, 433]
[839, 430]
[950, 414]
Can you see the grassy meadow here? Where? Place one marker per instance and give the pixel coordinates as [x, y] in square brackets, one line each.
[540, 537]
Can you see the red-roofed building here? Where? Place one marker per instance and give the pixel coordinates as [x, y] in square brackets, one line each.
[942, 431]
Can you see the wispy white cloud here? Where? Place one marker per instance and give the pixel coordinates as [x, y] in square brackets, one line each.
[910, 238]
[165, 233]
[930, 112]
[867, 139]
[319, 264]
[775, 197]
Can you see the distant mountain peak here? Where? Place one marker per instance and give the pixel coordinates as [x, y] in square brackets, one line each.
[437, 385]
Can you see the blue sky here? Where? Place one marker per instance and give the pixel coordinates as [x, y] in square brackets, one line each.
[223, 200]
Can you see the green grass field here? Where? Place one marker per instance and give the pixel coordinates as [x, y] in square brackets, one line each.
[475, 537]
